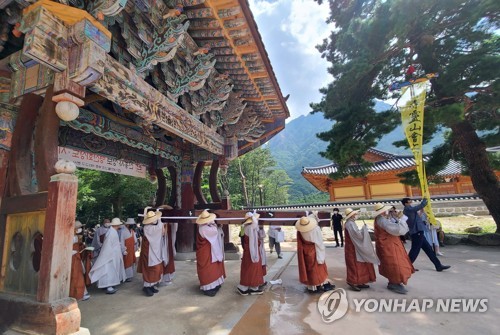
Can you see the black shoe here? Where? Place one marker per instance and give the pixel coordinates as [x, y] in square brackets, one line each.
[255, 292]
[364, 286]
[337, 246]
[342, 245]
[280, 257]
[398, 288]
[443, 267]
[327, 287]
[314, 292]
[210, 293]
[355, 288]
[147, 291]
[154, 289]
[217, 288]
[242, 292]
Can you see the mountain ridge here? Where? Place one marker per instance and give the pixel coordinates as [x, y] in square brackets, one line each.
[297, 146]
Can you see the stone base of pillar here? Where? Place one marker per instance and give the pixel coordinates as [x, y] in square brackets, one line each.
[232, 256]
[25, 315]
[232, 252]
[185, 256]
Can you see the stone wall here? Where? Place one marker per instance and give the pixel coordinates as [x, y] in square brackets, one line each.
[441, 208]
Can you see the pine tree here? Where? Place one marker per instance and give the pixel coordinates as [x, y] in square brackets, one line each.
[373, 44]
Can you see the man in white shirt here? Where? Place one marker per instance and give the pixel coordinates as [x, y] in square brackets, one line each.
[274, 233]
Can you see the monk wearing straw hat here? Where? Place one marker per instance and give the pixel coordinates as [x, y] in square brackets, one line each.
[151, 259]
[169, 252]
[395, 264]
[359, 253]
[209, 254]
[251, 274]
[80, 266]
[311, 255]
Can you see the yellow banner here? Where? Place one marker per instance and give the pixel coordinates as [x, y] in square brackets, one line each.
[412, 116]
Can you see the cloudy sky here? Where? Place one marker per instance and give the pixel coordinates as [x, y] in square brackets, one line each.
[290, 30]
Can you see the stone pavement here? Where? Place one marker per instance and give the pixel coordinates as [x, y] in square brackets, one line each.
[287, 309]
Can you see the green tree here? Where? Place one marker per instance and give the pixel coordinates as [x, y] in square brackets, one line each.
[105, 195]
[261, 177]
[373, 44]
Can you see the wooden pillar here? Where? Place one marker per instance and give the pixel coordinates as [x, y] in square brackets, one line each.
[161, 192]
[198, 172]
[331, 190]
[457, 186]
[186, 231]
[46, 135]
[172, 201]
[366, 189]
[408, 190]
[214, 192]
[54, 276]
[20, 170]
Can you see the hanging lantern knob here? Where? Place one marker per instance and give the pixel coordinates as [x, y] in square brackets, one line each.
[67, 110]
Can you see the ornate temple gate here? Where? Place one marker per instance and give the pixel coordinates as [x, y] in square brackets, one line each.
[140, 81]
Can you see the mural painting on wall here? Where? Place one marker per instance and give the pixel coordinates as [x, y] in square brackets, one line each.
[8, 115]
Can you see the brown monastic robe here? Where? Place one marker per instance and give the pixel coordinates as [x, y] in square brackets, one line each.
[310, 272]
[170, 267]
[77, 279]
[129, 259]
[357, 272]
[208, 272]
[395, 264]
[251, 273]
[150, 274]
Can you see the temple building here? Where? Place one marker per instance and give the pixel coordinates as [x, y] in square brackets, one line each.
[125, 86]
[382, 180]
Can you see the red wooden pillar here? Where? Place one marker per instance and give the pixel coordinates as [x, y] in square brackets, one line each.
[186, 231]
[54, 275]
[409, 192]
[366, 189]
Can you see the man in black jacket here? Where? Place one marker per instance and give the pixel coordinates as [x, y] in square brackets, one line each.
[337, 227]
[417, 228]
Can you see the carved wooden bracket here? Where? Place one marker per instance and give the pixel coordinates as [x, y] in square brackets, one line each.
[62, 44]
[127, 89]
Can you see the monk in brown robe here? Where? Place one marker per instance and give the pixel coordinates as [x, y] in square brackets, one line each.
[209, 254]
[168, 250]
[311, 256]
[395, 264]
[359, 253]
[77, 286]
[128, 239]
[251, 274]
[151, 258]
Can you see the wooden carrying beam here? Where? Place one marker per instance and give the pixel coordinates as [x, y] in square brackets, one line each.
[289, 218]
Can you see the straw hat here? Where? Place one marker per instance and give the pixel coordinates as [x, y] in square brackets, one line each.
[130, 221]
[349, 212]
[205, 217]
[151, 217]
[78, 224]
[116, 222]
[305, 224]
[249, 215]
[380, 208]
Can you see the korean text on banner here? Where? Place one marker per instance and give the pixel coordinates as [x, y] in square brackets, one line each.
[412, 115]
